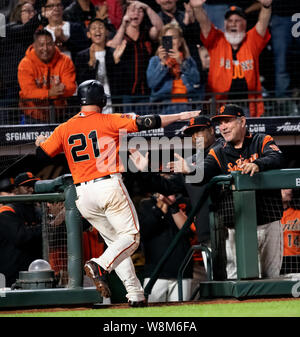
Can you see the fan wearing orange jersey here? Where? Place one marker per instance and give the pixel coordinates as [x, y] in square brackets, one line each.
[290, 222]
[234, 54]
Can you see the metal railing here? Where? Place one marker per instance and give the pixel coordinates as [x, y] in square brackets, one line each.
[12, 114]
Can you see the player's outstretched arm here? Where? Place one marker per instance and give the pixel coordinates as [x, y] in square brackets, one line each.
[182, 116]
[149, 122]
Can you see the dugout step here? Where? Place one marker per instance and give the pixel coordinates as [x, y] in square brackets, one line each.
[45, 297]
[248, 288]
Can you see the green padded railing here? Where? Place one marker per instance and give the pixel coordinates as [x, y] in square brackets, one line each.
[243, 187]
[61, 189]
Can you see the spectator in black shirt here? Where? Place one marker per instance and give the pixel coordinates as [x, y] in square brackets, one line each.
[160, 219]
[69, 37]
[82, 11]
[134, 47]
[96, 62]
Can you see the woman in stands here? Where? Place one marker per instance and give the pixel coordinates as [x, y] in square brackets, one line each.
[172, 74]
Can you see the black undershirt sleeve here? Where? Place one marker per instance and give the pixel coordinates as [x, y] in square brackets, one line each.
[41, 154]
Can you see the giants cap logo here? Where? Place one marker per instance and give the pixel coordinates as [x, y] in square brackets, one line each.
[275, 148]
[192, 121]
[222, 109]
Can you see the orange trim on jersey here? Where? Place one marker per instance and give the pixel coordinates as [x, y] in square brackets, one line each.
[7, 209]
[28, 180]
[266, 140]
[213, 153]
[193, 227]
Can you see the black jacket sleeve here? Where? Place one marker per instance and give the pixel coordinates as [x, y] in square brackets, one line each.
[83, 71]
[271, 157]
[78, 40]
[150, 218]
[154, 182]
[14, 229]
[41, 155]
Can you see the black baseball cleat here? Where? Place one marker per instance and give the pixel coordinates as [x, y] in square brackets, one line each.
[98, 275]
[138, 304]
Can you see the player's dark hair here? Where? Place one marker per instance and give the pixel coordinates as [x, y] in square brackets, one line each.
[97, 20]
[41, 32]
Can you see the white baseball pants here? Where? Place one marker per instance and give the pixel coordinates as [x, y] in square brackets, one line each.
[166, 290]
[270, 250]
[107, 206]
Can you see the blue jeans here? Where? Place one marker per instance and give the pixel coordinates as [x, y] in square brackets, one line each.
[282, 38]
[216, 14]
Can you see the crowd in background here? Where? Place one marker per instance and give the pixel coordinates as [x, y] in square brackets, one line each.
[52, 46]
[122, 44]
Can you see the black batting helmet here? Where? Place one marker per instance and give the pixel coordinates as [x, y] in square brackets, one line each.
[91, 92]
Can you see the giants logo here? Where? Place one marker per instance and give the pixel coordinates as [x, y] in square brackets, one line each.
[239, 162]
[274, 147]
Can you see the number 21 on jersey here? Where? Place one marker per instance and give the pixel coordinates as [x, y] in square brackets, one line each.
[81, 146]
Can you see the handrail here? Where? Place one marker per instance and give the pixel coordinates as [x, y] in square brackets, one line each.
[185, 262]
[51, 197]
[290, 178]
[72, 219]
[155, 274]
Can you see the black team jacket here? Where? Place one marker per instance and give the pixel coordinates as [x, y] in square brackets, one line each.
[20, 239]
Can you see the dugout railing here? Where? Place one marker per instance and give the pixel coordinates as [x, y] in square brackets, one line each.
[60, 189]
[14, 115]
[248, 282]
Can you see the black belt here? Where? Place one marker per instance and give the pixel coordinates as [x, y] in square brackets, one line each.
[94, 181]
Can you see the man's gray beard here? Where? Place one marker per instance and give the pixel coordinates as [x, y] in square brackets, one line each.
[234, 38]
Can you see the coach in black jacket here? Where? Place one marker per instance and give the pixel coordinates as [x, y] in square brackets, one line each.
[198, 127]
[20, 240]
[20, 231]
[248, 153]
[159, 226]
